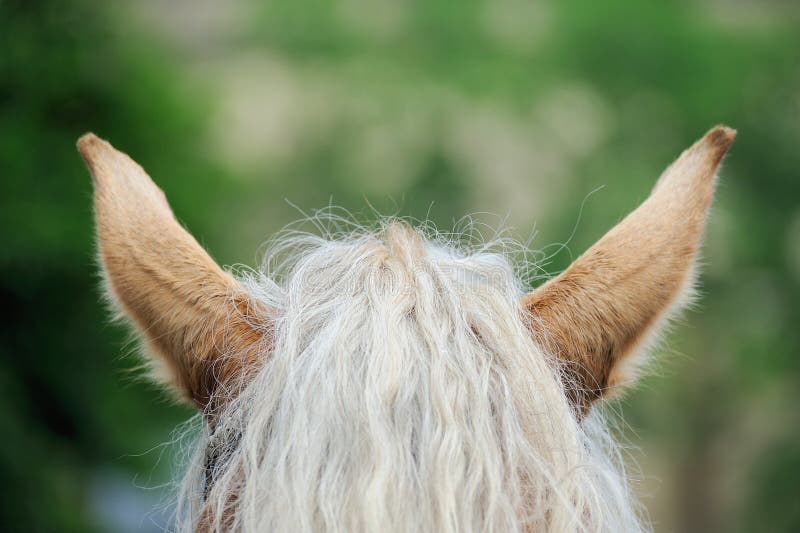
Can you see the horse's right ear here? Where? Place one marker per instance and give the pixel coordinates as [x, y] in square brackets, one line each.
[598, 315]
[198, 323]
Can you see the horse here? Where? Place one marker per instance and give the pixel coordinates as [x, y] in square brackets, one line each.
[390, 379]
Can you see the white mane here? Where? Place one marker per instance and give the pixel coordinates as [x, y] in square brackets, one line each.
[403, 392]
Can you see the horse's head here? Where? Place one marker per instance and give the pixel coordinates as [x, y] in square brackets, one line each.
[388, 380]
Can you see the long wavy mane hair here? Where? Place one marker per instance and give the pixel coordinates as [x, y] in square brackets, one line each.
[403, 392]
[390, 380]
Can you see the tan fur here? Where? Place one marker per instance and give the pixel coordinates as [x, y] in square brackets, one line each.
[291, 460]
[608, 302]
[193, 315]
[207, 331]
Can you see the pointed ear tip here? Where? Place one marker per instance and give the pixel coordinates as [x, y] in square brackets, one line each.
[88, 145]
[86, 140]
[720, 137]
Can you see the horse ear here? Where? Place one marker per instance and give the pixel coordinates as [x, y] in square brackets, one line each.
[599, 314]
[201, 327]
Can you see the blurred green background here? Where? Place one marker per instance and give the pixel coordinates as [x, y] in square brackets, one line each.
[428, 108]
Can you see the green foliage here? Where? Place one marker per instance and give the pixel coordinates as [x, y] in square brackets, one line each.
[69, 402]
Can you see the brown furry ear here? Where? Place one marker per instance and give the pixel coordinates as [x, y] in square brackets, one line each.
[195, 318]
[609, 302]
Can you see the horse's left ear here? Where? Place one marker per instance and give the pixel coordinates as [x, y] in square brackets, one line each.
[198, 323]
[599, 314]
